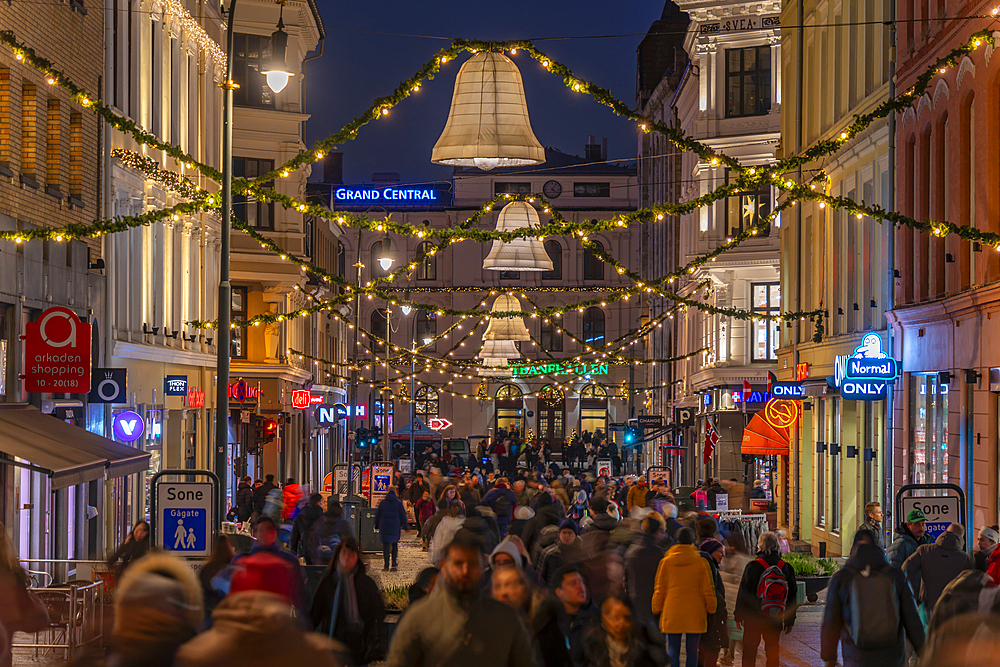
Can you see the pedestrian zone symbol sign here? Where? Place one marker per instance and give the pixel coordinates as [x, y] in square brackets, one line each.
[184, 518]
[185, 530]
[381, 483]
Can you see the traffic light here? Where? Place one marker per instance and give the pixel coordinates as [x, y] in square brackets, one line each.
[374, 436]
[270, 429]
[258, 435]
[361, 437]
[633, 434]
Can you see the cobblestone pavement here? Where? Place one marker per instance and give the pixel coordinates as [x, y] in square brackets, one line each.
[798, 649]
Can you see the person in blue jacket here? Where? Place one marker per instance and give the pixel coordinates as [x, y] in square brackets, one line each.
[390, 521]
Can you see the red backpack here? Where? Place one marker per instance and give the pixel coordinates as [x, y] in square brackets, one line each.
[772, 589]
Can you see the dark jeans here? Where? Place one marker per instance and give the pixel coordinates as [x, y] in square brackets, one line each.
[390, 548]
[753, 633]
[690, 648]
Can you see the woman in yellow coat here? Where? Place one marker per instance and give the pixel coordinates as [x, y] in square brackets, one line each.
[683, 597]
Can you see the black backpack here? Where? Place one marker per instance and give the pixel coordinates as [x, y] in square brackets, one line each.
[874, 605]
[503, 507]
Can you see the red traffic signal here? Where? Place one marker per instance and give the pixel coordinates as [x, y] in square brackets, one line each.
[270, 430]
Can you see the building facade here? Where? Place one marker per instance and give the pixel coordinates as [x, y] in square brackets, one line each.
[946, 294]
[581, 189]
[729, 98]
[50, 176]
[836, 261]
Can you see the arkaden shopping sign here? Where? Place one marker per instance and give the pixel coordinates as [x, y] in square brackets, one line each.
[57, 353]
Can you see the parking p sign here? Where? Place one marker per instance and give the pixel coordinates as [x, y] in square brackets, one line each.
[184, 518]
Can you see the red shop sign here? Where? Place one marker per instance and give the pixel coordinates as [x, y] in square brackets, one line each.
[196, 398]
[241, 391]
[57, 353]
[301, 399]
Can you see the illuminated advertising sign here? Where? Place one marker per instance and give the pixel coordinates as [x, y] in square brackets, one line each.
[559, 369]
[438, 194]
[791, 390]
[866, 374]
[301, 399]
[242, 392]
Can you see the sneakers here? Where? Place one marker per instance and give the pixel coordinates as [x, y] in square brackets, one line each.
[394, 568]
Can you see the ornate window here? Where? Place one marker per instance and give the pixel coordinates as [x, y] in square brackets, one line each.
[509, 392]
[593, 266]
[427, 269]
[554, 250]
[593, 326]
[426, 403]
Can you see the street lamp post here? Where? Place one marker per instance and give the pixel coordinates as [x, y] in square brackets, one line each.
[225, 337]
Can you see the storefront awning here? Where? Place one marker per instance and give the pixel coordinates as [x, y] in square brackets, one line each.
[762, 439]
[68, 454]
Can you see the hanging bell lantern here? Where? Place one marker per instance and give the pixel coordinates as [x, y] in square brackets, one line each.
[497, 352]
[488, 124]
[523, 254]
[506, 328]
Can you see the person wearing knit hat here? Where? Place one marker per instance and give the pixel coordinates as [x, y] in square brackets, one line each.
[716, 637]
[158, 607]
[567, 550]
[579, 508]
[988, 556]
[504, 555]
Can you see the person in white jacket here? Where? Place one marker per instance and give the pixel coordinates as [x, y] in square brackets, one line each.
[445, 531]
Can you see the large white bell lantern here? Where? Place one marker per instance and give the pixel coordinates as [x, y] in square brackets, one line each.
[497, 352]
[506, 328]
[488, 124]
[522, 254]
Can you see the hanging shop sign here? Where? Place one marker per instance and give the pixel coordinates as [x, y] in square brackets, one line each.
[782, 412]
[866, 374]
[108, 385]
[175, 385]
[128, 426]
[301, 399]
[559, 369]
[57, 353]
[785, 389]
[196, 398]
[241, 392]
[329, 415]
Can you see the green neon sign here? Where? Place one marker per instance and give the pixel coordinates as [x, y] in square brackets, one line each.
[555, 368]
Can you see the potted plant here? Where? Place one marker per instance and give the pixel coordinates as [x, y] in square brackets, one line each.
[812, 573]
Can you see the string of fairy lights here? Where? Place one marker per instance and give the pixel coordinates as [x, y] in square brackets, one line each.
[745, 179]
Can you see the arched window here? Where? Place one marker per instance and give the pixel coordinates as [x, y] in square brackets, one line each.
[593, 326]
[594, 391]
[427, 269]
[593, 266]
[426, 403]
[550, 336]
[554, 250]
[426, 327]
[551, 394]
[378, 329]
[374, 267]
[509, 392]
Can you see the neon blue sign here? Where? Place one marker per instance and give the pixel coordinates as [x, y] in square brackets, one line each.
[866, 374]
[397, 195]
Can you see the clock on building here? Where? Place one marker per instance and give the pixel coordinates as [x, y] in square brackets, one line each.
[552, 189]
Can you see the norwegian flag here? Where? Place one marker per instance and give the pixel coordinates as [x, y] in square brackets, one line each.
[711, 438]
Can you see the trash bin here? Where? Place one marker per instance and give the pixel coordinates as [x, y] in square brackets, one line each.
[368, 537]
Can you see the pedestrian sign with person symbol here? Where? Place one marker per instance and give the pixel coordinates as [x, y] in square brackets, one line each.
[185, 530]
[381, 483]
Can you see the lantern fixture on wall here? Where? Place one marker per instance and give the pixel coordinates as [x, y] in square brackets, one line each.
[506, 328]
[488, 125]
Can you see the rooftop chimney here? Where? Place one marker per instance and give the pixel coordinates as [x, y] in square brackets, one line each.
[594, 151]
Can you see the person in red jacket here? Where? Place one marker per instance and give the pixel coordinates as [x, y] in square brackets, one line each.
[291, 494]
[423, 509]
[988, 556]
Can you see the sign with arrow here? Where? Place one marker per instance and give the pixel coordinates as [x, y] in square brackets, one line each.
[439, 424]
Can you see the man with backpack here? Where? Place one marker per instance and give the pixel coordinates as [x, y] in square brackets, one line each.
[869, 607]
[502, 501]
[765, 602]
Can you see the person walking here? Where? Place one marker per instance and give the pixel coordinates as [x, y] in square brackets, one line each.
[988, 556]
[303, 523]
[328, 531]
[291, 495]
[244, 500]
[260, 494]
[567, 550]
[869, 610]
[423, 510]
[636, 495]
[538, 611]
[622, 639]
[909, 536]
[578, 611]
[717, 635]
[445, 531]
[390, 521]
[455, 624]
[934, 566]
[642, 559]
[348, 606]
[265, 531]
[135, 546]
[765, 602]
[502, 501]
[873, 523]
[683, 598]
[19, 610]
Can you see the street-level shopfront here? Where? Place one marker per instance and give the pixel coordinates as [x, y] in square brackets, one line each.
[841, 440]
[729, 409]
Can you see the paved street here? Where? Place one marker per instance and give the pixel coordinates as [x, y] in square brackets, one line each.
[798, 649]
